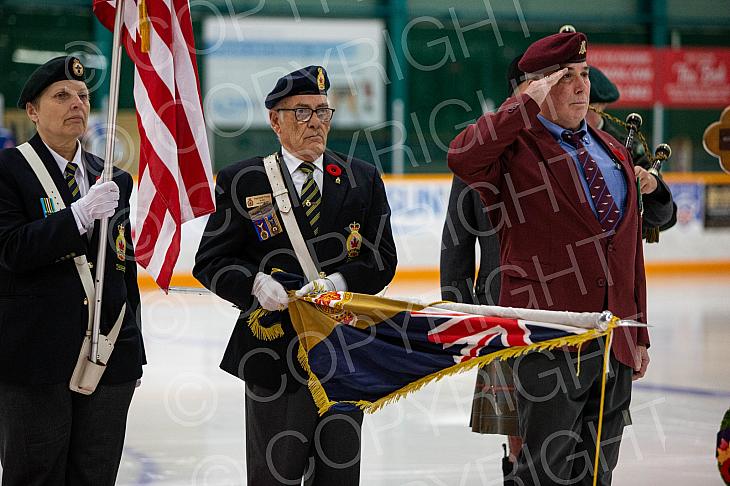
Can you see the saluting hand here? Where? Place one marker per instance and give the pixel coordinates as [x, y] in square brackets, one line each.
[647, 180]
[538, 89]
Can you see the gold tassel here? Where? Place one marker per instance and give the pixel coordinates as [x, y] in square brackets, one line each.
[577, 371]
[261, 332]
[144, 26]
[652, 235]
[606, 358]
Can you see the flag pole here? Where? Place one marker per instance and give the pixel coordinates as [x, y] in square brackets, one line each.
[111, 121]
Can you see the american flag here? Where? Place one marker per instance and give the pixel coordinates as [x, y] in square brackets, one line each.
[175, 175]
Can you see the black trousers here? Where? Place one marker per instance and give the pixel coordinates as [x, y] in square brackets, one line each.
[287, 441]
[558, 416]
[50, 435]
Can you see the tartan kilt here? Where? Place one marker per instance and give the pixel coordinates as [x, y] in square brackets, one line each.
[494, 408]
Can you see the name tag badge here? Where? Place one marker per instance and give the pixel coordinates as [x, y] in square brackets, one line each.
[266, 222]
[258, 200]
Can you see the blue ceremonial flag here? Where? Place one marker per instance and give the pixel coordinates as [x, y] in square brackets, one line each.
[368, 351]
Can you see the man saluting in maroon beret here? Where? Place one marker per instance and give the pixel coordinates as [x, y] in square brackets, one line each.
[564, 200]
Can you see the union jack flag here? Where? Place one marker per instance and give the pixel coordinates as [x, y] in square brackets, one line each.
[475, 333]
[367, 351]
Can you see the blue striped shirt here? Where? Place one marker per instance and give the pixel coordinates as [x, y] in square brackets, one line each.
[612, 172]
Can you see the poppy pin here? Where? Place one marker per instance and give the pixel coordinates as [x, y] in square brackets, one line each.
[333, 170]
[617, 153]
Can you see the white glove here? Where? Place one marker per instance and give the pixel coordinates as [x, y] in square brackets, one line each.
[270, 293]
[317, 287]
[100, 202]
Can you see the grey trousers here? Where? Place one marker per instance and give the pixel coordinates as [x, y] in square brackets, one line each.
[558, 416]
[50, 435]
[287, 441]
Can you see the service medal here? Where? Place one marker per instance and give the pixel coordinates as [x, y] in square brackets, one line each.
[266, 222]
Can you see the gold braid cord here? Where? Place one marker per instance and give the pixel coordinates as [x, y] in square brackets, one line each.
[623, 124]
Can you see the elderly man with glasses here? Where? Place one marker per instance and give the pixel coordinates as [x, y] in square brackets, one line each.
[341, 210]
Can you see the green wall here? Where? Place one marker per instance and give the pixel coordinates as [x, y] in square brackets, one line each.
[447, 85]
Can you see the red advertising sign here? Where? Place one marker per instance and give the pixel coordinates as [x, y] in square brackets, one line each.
[631, 69]
[678, 78]
[694, 78]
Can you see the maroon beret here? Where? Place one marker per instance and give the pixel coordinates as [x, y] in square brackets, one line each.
[553, 50]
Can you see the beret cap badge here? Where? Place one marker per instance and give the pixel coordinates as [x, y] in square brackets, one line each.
[77, 67]
[57, 69]
[311, 80]
[320, 79]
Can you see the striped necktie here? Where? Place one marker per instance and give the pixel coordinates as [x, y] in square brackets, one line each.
[70, 175]
[310, 196]
[607, 211]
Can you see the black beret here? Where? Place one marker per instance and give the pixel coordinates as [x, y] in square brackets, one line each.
[553, 50]
[514, 75]
[57, 69]
[602, 89]
[308, 80]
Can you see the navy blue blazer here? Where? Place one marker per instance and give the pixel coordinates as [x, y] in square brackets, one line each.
[231, 253]
[43, 306]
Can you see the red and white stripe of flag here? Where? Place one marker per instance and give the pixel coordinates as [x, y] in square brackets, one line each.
[175, 174]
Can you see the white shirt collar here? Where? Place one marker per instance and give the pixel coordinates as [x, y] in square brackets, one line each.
[63, 162]
[293, 163]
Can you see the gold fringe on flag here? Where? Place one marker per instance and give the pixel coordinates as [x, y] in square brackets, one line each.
[324, 403]
[144, 26]
[261, 332]
[321, 400]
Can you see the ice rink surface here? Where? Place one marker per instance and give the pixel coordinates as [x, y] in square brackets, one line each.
[186, 421]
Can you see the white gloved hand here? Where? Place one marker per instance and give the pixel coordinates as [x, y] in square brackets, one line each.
[100, 202]
[270, 293]
[316, 286]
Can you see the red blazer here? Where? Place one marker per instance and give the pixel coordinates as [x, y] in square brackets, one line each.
[554, 254]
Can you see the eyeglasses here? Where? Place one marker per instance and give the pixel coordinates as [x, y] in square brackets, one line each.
[305, 114]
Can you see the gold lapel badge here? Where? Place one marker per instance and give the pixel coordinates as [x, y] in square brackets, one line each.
[121, 243]
[354, 240]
